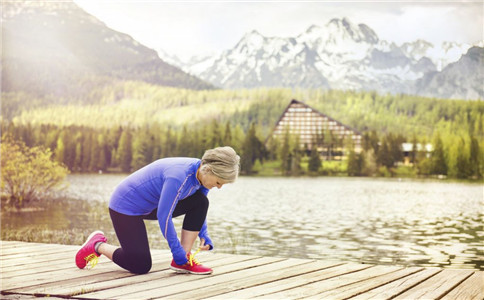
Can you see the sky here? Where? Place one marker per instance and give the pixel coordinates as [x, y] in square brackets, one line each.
[196, 28]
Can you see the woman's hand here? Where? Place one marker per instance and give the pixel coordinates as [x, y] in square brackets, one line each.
[204, 247]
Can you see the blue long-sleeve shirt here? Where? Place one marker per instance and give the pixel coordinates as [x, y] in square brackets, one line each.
[161, 185]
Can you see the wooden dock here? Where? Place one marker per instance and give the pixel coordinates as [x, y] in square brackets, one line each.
[31, 269]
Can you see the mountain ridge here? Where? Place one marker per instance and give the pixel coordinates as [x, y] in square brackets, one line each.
[53, 48]
[339, 55]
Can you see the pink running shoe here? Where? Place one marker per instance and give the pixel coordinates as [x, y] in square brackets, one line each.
[87, 255]
[192, 266]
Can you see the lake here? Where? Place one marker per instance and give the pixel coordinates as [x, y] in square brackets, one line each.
[365, 220]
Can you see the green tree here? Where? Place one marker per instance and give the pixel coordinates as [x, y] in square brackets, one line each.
[252, 149]
[77, 161]
[142, 151]
[329, 141]
[227, 139]
[423, 161]
[59, 150]
[94, 162]
[184, 144]
[101, 160]
[215, 139]
[438, 164]
[169, 143]
[462, 161]
[355, 163]
[86, 150]
[285, 154]
[413, 153]
[29, 174]
[125, 151]
[314, 164]
[475, 158]
[384, 156]
[369, 165]
[296, 158]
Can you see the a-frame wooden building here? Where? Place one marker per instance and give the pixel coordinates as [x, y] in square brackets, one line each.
[316, 129]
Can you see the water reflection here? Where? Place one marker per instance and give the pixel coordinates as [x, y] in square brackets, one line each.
[417, 223]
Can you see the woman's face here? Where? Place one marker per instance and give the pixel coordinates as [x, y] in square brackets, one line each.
[210, 181]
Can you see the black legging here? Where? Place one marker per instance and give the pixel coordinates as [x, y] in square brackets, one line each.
[134, 254]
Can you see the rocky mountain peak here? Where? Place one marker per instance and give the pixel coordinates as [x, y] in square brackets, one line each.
[339, 55]
[340, 29]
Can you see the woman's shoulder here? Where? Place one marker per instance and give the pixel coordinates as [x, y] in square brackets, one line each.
[179, 167]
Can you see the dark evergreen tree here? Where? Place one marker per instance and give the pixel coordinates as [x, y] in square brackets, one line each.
[86, 153]
[462, 161]
[475, 158]
[227, 139]
[314, 164]
[384, 156]
[353, 168]
[184, 145]
[296, 158]
[438, 164]
[215, 139]
[124, 152]
[413, 153]
[285, 154]
[252, 149]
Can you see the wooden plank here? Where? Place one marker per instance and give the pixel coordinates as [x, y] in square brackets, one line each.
[64, 258]
[19, 259]
[108, 280]
[35, 269]
[11, 244]
[209, 285]
[168, 278]
[437, 286]
[352, 290]
[64, 262]
[293, 282]
[67, 266]
[32, 250]
[36, 259]
[397, 287]
[157, 274]
[77, 286]
[28, 248]
[257, 279]
[318, 287]
[472, 288]
[36, 279]
[19, 282]
[189, 289]
[21, 246]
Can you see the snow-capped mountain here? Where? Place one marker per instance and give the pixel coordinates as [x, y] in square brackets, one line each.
[339, 55]
[260, 61]
[461, 79]
[447, 53]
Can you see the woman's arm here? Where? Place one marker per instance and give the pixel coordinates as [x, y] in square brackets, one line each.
[168, 199]
[203, 234]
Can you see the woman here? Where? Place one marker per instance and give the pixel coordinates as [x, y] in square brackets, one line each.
[166, 188]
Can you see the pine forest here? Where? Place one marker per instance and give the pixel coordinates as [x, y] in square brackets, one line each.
[122, 127]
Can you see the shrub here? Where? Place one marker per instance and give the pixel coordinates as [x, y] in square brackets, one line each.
[28, 174]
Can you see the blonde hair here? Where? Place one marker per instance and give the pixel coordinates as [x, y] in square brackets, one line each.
[222, 162]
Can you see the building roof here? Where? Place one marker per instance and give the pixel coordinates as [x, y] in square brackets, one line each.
[294, 101]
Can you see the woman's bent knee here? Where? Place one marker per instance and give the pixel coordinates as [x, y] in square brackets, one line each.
[140, 265]
[137, 263]
[141, 268]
